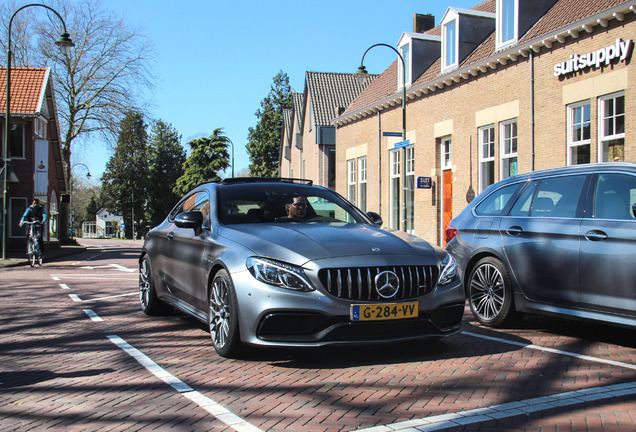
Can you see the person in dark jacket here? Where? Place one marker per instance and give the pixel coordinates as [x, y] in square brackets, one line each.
[35, 213]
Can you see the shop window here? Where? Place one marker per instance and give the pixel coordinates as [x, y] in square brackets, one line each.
[331, 169]
[612, 127]
[17, 208]
[410, 189]
[395, 189]
[351, 180]
[508, 139]
[579, 133]
[362, 183]
[16, 141]
[486, 156]
[449, 45]
[507, 22]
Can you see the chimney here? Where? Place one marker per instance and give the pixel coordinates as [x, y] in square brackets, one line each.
[423, 23]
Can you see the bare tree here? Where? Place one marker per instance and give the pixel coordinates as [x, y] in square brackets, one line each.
[103, 76]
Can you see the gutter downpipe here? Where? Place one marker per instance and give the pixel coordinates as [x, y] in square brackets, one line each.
[379, 163]
[531, 60]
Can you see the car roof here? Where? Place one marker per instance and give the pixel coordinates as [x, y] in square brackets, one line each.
[573, 169]
[243, 180]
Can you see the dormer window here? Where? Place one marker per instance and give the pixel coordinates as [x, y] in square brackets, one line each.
[507, 22]
[404, 79]
[449, 45]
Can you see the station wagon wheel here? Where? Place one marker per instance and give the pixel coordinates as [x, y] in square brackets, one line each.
[223, 317]
[150, 303]
[490, 293]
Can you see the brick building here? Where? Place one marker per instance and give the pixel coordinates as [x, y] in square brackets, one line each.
[506, 87]
[34, 152]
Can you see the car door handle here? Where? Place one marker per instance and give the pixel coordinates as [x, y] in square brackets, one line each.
[514, 230]
[170, 236]
[595, 235]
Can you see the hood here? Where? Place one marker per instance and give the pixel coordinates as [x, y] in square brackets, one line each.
[298, 243]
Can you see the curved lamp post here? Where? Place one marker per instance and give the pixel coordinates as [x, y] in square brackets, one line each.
[361, 75]
[65, 42]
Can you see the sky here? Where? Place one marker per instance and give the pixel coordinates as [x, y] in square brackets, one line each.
[216, 60]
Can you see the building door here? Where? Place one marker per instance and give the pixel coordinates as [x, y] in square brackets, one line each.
[447, 187]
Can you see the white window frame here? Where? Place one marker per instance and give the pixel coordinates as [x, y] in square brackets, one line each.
[446, 150]
[395, 171]
[604, 136]
[503, 141]
[362, 183]
[572, 124]
[351, 180]
[407, 64]
[410, 185]
[501, 24]
[41, 128]
[490, 158]
[450, 46]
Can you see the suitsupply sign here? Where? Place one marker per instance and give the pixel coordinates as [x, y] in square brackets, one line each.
[620, 51]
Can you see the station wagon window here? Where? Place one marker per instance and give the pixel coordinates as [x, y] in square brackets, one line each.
[615, 196]
[612, 127]
[554, 197]
[495, 203]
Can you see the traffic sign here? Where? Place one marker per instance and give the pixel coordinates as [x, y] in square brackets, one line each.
[401, 144]
[392, 134]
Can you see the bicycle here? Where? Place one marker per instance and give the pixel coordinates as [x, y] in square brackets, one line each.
[34, 249]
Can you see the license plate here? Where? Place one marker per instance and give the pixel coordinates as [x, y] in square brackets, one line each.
[385, 311]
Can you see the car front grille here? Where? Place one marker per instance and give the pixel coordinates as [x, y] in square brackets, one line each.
[358, 283]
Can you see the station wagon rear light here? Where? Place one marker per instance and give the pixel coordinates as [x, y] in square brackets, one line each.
[451, 233]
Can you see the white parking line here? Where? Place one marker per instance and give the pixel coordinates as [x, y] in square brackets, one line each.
[511, 409]
[114, 296]
[92, 315]
[552, 350]
[221, 413]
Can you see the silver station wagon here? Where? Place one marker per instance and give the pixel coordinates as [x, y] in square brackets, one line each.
[278, 262]
[555, 242]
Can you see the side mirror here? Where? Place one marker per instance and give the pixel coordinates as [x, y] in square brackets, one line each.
[375, 218]
[192, 220]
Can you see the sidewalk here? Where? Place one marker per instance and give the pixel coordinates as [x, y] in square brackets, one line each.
[18, 258]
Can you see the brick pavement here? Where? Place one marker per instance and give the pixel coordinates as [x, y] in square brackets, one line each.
[59, 371]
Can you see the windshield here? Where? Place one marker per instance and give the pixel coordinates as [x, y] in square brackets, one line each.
[282, 203]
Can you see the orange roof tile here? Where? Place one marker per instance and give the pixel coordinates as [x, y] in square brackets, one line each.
[27, 85]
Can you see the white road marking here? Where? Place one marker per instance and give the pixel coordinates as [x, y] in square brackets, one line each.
[218, 411]
[113, 296]
[511, 409]
[92, 315]
[552, 350]
[75, 298]
[64, 286]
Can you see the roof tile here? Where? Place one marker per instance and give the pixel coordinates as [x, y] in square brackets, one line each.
[26, 88]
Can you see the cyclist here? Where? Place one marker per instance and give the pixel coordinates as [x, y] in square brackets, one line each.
[35, 213]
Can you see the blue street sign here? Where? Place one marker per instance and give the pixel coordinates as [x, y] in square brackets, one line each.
[392, 134]
[401, 144]
[424, 182]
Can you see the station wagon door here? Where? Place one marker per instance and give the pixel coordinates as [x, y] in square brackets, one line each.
[608, 247]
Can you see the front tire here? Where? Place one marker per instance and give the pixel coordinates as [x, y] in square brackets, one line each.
[223, 316]
[490, 293]
[31, 253]
[150, 303]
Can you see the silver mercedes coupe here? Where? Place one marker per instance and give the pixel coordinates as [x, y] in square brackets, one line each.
[280, 262]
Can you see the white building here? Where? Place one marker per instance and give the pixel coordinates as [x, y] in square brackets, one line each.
[106, 225]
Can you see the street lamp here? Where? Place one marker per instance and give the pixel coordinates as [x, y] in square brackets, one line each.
[361, 75]
[65, 42]
[88, 176]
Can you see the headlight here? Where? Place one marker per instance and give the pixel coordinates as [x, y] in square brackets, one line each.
[449, 270]
[278, 274]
